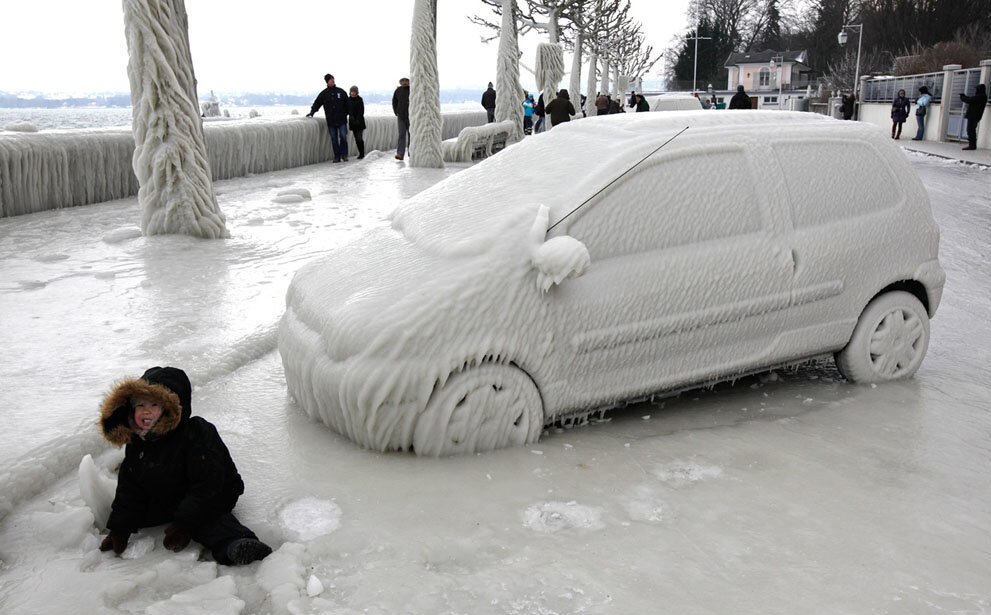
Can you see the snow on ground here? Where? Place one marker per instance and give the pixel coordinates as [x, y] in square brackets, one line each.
[791, 492]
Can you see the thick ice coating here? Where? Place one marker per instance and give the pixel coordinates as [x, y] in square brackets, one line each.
[170, 159]
[430, 333]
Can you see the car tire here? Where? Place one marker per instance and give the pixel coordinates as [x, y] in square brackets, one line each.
[481, 408]
[889, 341]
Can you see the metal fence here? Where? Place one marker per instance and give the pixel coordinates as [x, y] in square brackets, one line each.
[884, 89]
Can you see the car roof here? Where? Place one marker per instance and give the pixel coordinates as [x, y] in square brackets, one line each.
[568, 164]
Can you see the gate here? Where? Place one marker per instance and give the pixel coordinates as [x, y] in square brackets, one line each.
[963, 83]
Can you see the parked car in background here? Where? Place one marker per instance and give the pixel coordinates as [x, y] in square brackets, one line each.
[648, 254]
[674, 102]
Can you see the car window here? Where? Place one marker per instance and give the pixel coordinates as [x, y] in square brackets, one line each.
[672, 201]
[833, 180]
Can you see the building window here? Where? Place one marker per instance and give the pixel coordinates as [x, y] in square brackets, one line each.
[770, 100]
[765, 76]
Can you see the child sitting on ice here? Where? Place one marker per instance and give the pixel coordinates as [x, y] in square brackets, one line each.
[176, 470]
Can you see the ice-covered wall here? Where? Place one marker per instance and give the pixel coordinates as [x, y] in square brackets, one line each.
[55, 169]
[170, 161]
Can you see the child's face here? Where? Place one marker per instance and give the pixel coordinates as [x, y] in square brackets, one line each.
[146, 412]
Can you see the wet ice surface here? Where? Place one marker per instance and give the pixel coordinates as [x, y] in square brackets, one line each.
[780, 494]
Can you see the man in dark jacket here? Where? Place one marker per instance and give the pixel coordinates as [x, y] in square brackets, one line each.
[488, 101]
[975, 111]
[176, 470]
[642, 104]
[400, 106]
[847, 106]
[740, 100]
[334, 101]
[560, 109]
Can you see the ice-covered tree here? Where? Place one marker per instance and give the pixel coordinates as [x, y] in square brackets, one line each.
[170, 160]
[509, 93]
[426, 122]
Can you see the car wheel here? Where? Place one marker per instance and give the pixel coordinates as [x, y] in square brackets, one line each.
[889, 341]
[482, 408]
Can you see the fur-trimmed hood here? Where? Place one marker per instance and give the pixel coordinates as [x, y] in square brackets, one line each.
[169, 386]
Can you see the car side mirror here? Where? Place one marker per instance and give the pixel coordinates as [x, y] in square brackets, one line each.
[559, 258]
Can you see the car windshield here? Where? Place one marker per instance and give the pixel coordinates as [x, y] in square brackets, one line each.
[469, 210]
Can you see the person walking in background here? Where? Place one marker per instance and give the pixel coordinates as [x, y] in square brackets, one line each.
[847, 106]
[633, 99]
[400, 106]
[899, 113]
[975, 111]
[334, 101]
[488, 101]
[921, 108]
[615, 107]
[560, 109]
[356, 119]
[642, 104]
[601, 104]
[740, 100]
[541, 114]
[528, 114]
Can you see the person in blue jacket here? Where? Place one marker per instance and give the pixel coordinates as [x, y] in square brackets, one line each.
[334, 101]
[921, 108]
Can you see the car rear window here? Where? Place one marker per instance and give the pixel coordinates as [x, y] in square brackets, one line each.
[831, 180]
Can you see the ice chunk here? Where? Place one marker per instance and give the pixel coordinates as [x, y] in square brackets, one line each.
[98, 490]
[63, 529]
[680, 473]
[314, 587]
[122, 234]
[217, 597]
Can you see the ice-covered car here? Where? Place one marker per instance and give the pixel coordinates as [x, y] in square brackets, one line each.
[485, 311]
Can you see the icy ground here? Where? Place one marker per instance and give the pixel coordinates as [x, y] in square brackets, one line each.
[790, 493]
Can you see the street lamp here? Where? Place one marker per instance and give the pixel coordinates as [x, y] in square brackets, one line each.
[695, 70]
[779, 62]
[841, 38]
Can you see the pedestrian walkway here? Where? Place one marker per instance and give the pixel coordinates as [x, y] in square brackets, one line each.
[951, 151]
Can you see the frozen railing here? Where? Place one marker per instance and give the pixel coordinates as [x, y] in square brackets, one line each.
[478, 141]
[55, 169]
[884, 89]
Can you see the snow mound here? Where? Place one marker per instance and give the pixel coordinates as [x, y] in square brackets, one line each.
[551, 517]
[21, 126]
[121, 235]
[253, 113]
[679, 473]
[62, 529]
[309, 518]
[292, 195]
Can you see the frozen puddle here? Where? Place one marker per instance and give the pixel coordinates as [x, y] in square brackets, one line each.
[309, 518]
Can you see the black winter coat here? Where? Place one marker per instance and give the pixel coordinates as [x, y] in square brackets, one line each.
[400, 103]
[976, 103]
[334, 101]
[488, 99]
[740, 100]
[181, 472]
[356, 113]
[560, 110]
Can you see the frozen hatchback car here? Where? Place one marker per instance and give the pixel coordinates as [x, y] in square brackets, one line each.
[485, 311]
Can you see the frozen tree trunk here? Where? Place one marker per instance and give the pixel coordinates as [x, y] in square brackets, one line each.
[590, 91]
[426, 124]
[509, 94]
[622, 86]
[549, 70]
[170, 161]
[604, 85]
[615, 84]
[575, 83]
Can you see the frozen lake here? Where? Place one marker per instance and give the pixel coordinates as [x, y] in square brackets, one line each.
[788, 493]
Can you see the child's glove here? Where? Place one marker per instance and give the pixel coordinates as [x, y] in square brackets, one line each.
[176, 538]
[116, 542]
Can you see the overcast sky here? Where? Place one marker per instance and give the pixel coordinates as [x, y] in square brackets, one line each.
[78, 46]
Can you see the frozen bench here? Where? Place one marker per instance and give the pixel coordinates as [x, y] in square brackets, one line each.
[475, 142]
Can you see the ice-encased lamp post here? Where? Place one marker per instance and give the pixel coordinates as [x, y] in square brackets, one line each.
[170, 161]
[841, 38]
